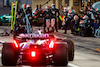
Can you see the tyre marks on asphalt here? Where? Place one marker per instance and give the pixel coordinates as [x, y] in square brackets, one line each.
[96, 50]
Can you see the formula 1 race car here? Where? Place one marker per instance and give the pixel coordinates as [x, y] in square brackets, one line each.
[38, 49]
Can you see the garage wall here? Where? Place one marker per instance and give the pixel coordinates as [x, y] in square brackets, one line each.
[38, 2]
[58, 2]
[26, 1]
[1, 3]
[76, 7]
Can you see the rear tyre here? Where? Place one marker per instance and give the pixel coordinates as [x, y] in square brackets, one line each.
[9, 55]
[60, 55]
[70, 50]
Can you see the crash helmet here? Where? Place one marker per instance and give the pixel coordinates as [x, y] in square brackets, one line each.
[28, 6]
[43, 10]
[65, 9]
[35, 12]
[81, 22]
[47, 7]
[75, 17]
[69, 14]
[97, 9]
[71, 11]
[85, 17]
[53, 5]
[14, 4]
[24, 6]
[91, 9]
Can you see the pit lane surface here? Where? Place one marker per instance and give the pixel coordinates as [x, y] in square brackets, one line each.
[87, 50]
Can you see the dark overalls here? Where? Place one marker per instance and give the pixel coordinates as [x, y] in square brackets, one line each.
[54, 15]
[46, 15]
[29, 11]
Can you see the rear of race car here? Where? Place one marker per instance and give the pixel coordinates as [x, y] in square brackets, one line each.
[35, 55]
[35, 50]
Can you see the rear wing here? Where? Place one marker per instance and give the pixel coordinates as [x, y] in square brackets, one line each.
[35, 36]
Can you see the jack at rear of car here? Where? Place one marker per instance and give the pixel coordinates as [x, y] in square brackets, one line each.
[38, 49]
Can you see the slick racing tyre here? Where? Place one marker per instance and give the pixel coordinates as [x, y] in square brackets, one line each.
[9, 55]
[70, 50]
[60, 55]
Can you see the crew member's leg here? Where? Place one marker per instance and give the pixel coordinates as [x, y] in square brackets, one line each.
[59, 24]
[56, 25]
[65, 27]
[44, 25]
[72, 29]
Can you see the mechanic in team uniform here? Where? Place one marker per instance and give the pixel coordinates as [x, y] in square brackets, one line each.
[60, 17]
[34, 16]
[90, 12]
[22, 10]
[71, 15]
[40, 11]
[19, 20]
[66, 22]
[18, 25]
[29, 11]
[54, 15]
[97, 13]
[97, 19]
[47, 16]
[75, 22]
[40, 8]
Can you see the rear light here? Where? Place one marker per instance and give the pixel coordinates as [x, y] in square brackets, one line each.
[51, 44]
[33, 54]
[16, 44]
